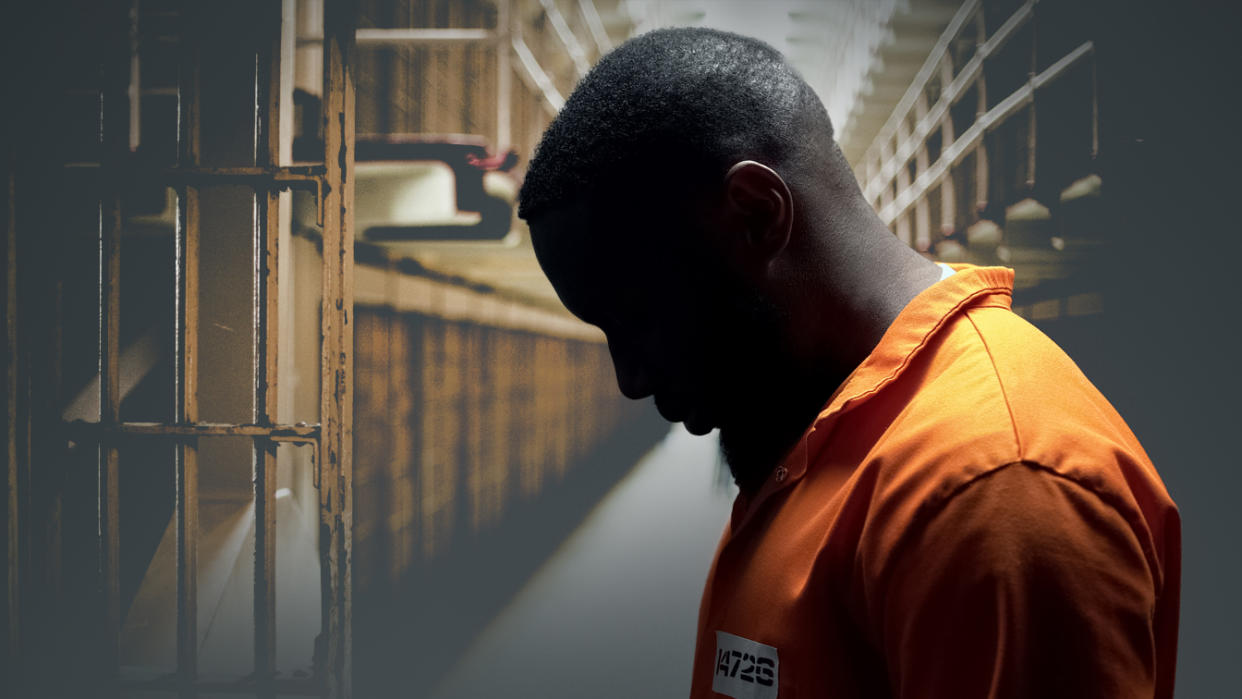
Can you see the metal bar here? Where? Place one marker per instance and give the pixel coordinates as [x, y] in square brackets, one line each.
[304, 177]
[266, 335]
[289, 177]
[599, 34]
[536, 77]
[186, 359]
[981, 149]
[114, 142]
[413, 37]
[135, 79]
[969, 73]
[336, 361]
[300, 432]
[1032, 123]
[948, 190]
[922, 159]
[504, 77]
[566, 36]
[424, 37]
[1095, 111]
[953, 154]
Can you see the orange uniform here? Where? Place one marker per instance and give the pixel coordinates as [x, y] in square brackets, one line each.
[967, 517]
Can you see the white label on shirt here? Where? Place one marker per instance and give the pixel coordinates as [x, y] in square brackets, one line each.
[745, 669]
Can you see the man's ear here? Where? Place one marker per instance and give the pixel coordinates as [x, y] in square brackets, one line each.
[761, 207]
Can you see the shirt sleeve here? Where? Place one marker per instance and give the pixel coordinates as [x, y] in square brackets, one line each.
[1023, 584]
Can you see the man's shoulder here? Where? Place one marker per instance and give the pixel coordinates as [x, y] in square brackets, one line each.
[994, 392]
[992, 382]
[1059, 418]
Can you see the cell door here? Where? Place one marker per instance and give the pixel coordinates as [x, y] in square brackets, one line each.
[179, 387]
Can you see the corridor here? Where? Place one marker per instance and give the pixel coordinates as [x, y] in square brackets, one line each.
[612, 612]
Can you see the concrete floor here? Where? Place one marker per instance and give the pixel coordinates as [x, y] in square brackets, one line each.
[612, 613]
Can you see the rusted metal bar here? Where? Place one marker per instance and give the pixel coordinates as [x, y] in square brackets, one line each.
[278, 433]
[273, 178]
[266, 336]
[114, 142]
[336, 360]
[185, 361]
[309, 177]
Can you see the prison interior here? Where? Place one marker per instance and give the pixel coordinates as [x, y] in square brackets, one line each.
[280, 366]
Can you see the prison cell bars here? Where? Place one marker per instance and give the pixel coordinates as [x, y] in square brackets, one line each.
[336, 363]
[884, 162]
[333, 182]
[185, 360]
[265, 317]
[114, 135]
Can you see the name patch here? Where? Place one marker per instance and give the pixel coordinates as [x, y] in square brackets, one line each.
[745, 669]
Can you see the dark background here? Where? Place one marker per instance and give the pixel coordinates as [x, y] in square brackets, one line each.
[1166, 350]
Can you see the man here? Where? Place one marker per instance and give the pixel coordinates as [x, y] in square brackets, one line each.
[934, 502]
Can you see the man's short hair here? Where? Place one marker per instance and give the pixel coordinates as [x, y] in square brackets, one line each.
[674, 108]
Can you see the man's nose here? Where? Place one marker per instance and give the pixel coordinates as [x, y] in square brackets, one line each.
[632, 377]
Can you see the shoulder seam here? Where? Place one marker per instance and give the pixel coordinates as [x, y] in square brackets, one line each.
[934, 506]
[1013, 421]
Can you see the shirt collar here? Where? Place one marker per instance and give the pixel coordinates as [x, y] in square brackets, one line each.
[917, 323]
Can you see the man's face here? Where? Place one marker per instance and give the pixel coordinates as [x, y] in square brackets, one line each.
[681, 325]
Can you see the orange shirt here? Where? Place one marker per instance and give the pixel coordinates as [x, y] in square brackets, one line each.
[967, 517]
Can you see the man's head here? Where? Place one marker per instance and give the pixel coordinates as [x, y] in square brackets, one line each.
[677, 107]
[670, 203]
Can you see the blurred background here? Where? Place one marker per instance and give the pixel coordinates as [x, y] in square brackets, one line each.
[291, 409]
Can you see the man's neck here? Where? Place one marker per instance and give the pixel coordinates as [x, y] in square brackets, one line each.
[852, 288]
[861, 277]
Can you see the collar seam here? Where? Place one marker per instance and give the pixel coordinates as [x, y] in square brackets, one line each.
[909, 355]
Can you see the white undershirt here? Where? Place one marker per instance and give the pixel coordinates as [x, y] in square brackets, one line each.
[945, 271]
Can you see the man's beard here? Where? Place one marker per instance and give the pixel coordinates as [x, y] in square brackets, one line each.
[779, 405]
[753, 449]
